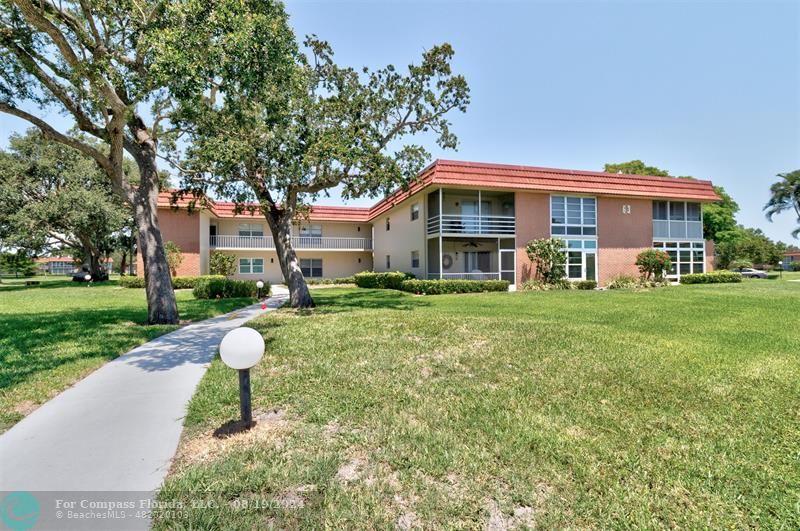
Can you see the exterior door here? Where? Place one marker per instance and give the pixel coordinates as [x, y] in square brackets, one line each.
[507, 268]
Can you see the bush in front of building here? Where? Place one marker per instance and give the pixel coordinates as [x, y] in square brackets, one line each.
[223, 264]
[795, 266]
[653, 264]
[226, 288]
[330, 281]
[536, 284]
[371, 279]
[632, 282]
[191, 282]
[443, 286]
[585, 284]
[549, 260]
[177, 282]
[714, 277]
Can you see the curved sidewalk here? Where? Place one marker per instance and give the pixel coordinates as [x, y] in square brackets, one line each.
[118, 428]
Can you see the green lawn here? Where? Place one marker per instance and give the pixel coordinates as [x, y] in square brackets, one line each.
[54, 334]
[675, 407]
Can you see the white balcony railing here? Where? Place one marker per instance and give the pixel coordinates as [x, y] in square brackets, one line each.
[298, 242]
[482, 275]
[473, 224]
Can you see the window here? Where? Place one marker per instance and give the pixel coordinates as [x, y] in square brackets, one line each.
[677, 219]
[388, 262]
[414, 258]
[573, 216]
[251, 266]
[314, 231]
[687, 257]
[311, 267]
[388, 224]
[415, 212]
[251, 229]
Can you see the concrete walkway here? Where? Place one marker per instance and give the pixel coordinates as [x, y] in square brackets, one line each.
[118, 428]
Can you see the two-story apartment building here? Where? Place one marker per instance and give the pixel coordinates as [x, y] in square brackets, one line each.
[465, 220]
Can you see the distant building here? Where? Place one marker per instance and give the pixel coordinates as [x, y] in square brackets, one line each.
[63, 265]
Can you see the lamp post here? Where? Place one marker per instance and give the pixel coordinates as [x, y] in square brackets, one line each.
[88, 278]
[242, 349]
[259, 285]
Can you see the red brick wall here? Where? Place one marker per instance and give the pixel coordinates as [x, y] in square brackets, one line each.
[184, 229]
[621, 236]
[533, 222]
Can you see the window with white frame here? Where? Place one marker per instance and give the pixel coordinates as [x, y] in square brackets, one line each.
[573, 216]
[251, 229]
[311, 267]
[251, 266]
[415, 212]
[678, 220]
[686, 257]
[414, 258]
[314, 231]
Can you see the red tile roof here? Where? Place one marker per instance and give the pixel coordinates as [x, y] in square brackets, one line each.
[69, 259]
[791, 253]
[505, 177]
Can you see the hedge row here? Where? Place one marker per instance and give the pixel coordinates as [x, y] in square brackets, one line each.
[439, 287]
[370, 279]
[329, 281]
[715, 277]
[226, 288]
[177, 282]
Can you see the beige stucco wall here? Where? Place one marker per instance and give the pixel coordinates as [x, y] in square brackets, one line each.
[335, 264]
[405, 236]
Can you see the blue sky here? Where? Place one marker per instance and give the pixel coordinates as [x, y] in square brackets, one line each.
[709, 89]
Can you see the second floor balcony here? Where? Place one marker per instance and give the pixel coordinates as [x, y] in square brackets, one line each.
[471, 212]
[319, 243]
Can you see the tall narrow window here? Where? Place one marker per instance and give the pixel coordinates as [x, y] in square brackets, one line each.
[414, 258]
[388, 262]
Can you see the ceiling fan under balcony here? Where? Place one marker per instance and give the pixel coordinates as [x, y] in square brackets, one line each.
[471, 244]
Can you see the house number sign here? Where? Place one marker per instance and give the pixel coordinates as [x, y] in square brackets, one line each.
[626, 209]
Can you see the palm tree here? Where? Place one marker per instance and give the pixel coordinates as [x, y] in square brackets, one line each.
[785, 196]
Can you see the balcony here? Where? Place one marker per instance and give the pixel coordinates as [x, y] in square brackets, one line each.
[472, 224]
[317, 243]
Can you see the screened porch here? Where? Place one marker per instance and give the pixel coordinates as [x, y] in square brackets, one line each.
[465, 258]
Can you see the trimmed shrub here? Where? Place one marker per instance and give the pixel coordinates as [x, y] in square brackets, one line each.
[191, 282]
[540, 285]
[330, 281]
[131, 282]
[714, 277]
[585, 284]
[548, 258]
[442, 286]
[226, 288]
[631, 282]
[177, 282]
[795, 266]
[370, 279]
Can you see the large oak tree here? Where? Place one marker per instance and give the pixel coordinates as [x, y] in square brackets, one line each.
[267, 122]
[91, 61]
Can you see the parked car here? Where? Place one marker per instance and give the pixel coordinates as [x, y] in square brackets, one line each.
[749, 272]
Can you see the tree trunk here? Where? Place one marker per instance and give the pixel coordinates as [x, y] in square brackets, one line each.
[94, 260]
[280, 223]
[161, 305]
[123, 263]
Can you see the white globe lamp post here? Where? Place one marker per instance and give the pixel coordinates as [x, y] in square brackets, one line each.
[88, 278]
[259, 285]
[242, 349]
